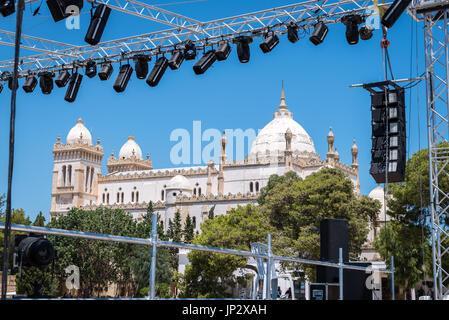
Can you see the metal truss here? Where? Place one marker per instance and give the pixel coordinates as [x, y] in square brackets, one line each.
[305, 14]
[436, 42]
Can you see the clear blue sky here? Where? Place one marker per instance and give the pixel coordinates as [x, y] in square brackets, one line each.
[230, 95]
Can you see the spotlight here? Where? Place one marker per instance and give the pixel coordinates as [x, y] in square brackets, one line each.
[319, 33]
[176, 60]
[271, 40]
[394, 12]
[292, 32]
[123, 78]
[8, 76]
[30, 84]
[74, 85]
[352, 22]
[97, 24]
[157, 72]
[105, 71]
[205, 62]
[7, 7]
[243, 51]
[366, 32]
[62, 79]
[223, 50]
[61, 9]
[141, 64]
[190, 50]
[46, 82]
[91, 68]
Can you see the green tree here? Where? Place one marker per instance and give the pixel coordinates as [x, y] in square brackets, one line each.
[211, 212]
[295, 207]
[2, 204]
[40, 220]
[141, 262]
[411, 254]
[189, 230]
[175, 234]
[209, 275]
[101, 263]
[407, 235]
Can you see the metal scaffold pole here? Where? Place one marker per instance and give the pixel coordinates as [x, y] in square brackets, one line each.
[7, 231]
[152, 293]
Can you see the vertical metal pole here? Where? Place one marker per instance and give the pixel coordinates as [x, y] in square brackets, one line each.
[392, 278]
[7, 231]
[268, 275]
[153, 257]
[340, 278]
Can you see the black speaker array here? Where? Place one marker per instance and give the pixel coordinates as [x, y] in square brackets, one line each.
[388, 119]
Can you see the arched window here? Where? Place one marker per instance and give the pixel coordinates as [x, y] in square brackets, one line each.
[63, 175]
[104, 197]
[132, 196]
[123, 197]
[194, 222]
[107, 198]
[199, 191]
[70, 175]
[162, 195]
[137, 196]
[91, 178]
[194, 191]
[257, 186]
[251, 187]
[118, 197]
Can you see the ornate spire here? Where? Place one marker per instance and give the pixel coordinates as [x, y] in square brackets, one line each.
[282, 105]
[330, 140]
[354, 152]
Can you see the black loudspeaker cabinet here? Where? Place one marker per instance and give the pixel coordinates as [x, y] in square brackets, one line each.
[59, 8]
[123, 78]
[334, 235]
[97, 24]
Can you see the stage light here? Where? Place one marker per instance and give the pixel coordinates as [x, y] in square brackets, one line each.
[123, 78]
[74, 85]
[33, 251]
[176, 60]
[105, 71]
[141, 64]
[7, 7]
[157, 72]
[319, 33]
[292, 32]
[223, 50]
[352, 22]
[1, 87]
[366, 32]
[8, 75]
[190, 50]
[58, 8]
[30, 84]
[243, 51]
[91, 68]
[394, 12]
[46, 82]
[205, 62]
[271, 40]
[97, 24]
[62, 79]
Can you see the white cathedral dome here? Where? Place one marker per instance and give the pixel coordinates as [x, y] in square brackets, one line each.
[377, 193]
[79, 133]
[130, 149]
[179, 182]
[272, 136]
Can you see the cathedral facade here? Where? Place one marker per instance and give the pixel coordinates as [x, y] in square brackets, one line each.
[131, 182]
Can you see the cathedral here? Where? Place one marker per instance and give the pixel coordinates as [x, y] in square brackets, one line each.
[131, 181]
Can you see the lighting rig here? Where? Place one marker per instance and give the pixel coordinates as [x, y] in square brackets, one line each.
[180, 52]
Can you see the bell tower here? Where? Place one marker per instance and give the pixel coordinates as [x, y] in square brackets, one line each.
[77, 167]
